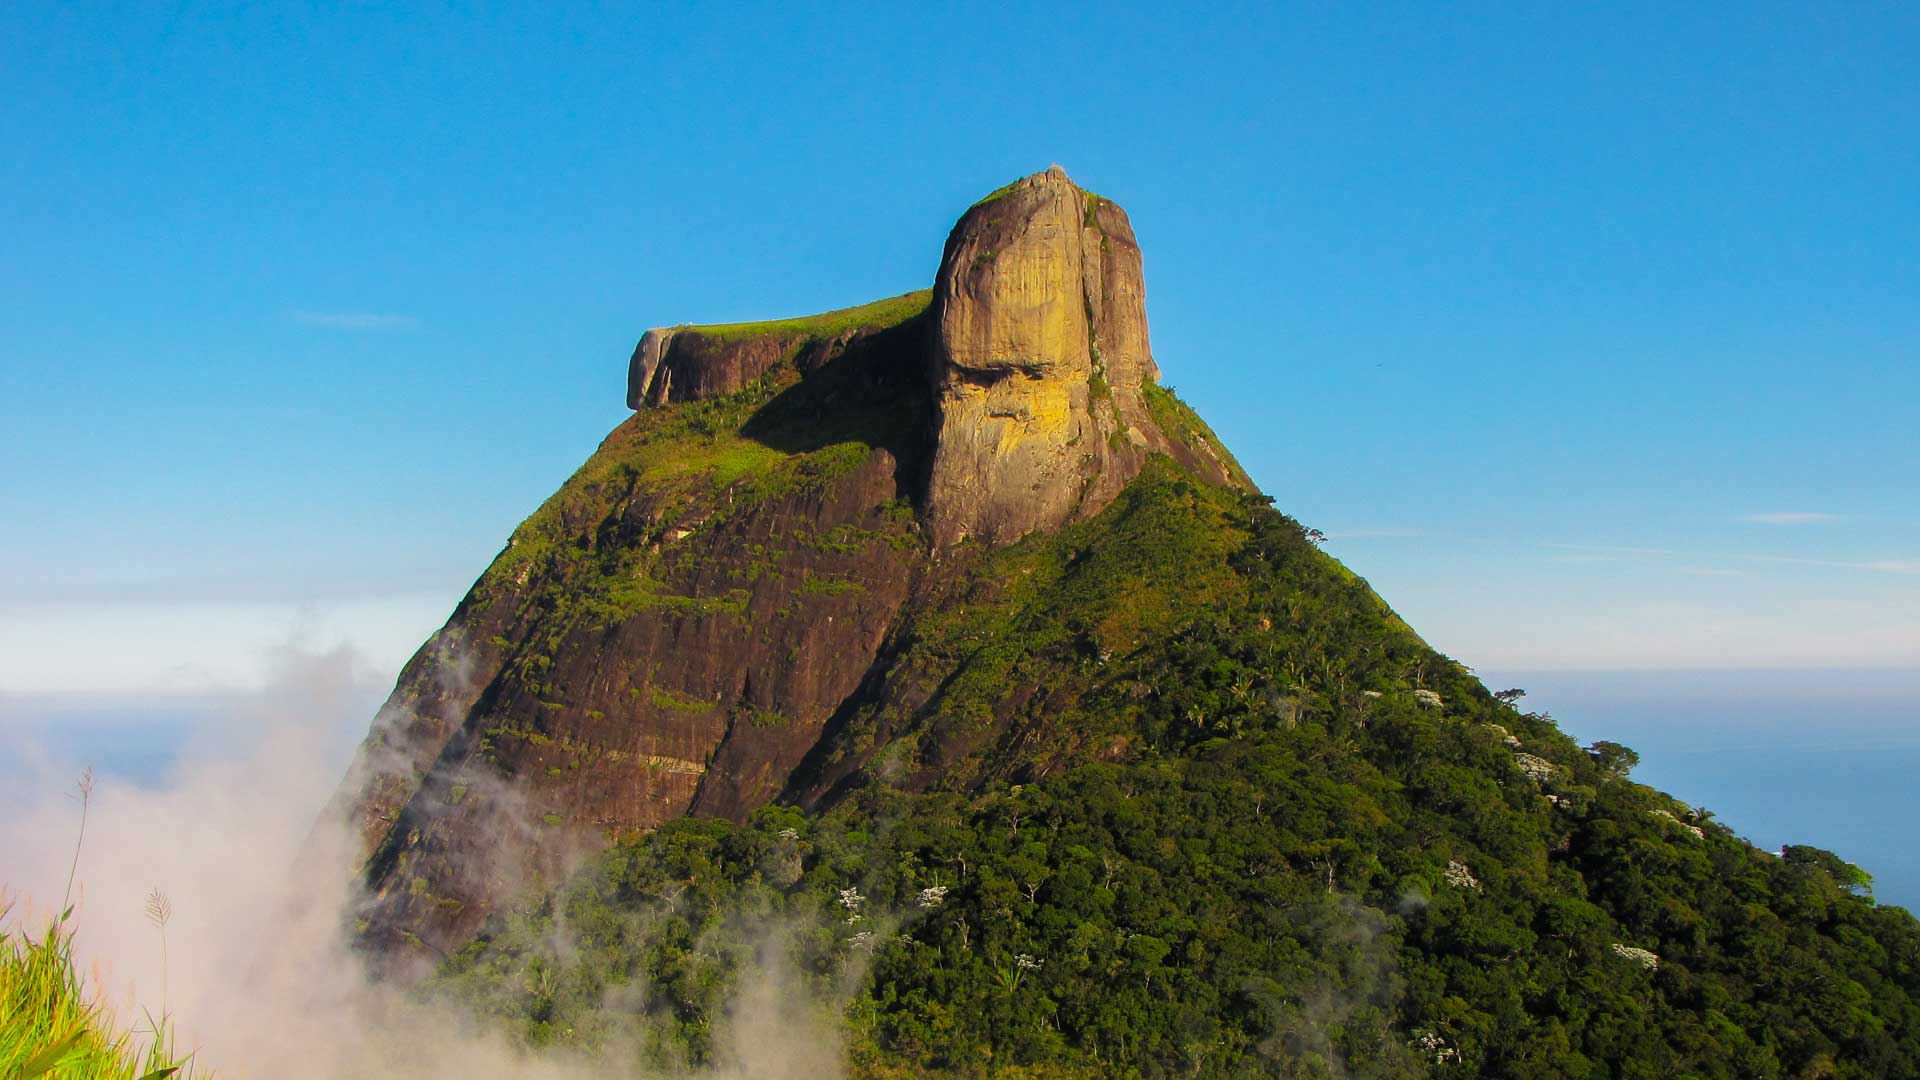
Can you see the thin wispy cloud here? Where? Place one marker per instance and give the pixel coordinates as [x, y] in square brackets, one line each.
[1600, 553]
[355, 320]
[1895, 566]
[1374, 534]
[1610, 550]
[1884, 566]
[1790, 517]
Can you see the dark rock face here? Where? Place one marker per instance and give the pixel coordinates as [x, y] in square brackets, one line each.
[683, 364]
[660, 639]
[745, 564]
[691, 363]
[702, 706]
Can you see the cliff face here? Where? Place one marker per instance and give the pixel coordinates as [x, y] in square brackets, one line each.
[1040, 363]
[666, 636]
[701, 617]
[690, 363]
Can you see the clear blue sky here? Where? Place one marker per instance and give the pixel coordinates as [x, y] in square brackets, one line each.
[1592, 338]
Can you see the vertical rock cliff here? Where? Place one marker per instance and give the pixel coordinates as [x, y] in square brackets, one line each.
[1040, 363]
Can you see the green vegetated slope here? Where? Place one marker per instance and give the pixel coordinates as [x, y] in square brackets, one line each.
[780, 434]
[690, 460]
[1171, 792]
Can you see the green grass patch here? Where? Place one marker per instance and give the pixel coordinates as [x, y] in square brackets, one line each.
[723, 457]
[1177, 421]
[832, 586]
[879, 314]
[625, 598]
[675, 701]
[997, 194]
[761, 718]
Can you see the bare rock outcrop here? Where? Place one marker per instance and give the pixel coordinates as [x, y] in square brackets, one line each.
[674, 363]
[1040, 363]
[688, 363]
[1037, 354]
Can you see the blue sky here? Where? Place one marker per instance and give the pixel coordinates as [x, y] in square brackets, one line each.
[1590, 337]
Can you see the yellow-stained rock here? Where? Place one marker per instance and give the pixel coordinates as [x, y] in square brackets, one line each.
[1039, 357]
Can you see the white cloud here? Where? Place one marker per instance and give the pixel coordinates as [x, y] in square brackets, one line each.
[356, 320]
[121, 647]
[1790, 517]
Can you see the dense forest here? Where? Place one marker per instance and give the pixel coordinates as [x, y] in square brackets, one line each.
[1263, 830]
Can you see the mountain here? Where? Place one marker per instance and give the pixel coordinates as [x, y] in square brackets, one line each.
[939, 635]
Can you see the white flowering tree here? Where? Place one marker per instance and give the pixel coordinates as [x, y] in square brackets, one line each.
[1538, 769]
[1639, 956]
[851, 900]
[1460, 877]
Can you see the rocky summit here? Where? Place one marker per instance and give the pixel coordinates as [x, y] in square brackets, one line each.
[1040, 362]
[930, 667]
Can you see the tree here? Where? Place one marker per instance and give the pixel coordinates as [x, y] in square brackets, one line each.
[1614, 758]
[1844, 874]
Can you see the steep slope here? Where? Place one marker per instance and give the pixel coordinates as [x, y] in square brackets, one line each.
[666, 635]
[1185, 799]
[934, 649]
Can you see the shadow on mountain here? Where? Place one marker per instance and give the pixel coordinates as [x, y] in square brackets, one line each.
[871, 389]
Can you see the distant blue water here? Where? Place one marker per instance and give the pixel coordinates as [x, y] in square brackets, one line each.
[135, 739]
[1828, 758]
[48, 739]
[1860, 804]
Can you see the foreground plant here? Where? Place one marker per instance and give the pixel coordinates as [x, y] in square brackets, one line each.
[49, 1026]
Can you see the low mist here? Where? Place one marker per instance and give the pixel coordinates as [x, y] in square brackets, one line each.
[253, 965]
